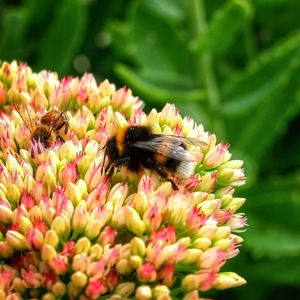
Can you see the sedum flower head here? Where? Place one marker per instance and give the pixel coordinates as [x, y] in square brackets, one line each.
[69, 231]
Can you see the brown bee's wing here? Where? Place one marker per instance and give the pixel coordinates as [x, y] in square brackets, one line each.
[170, 146]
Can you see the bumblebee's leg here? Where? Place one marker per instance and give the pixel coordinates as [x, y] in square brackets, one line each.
[163, 173]
[60, 138]
[117, 162]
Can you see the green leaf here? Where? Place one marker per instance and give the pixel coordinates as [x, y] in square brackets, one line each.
[273, 210]
[11, 38]
[279, 271]
[271, 240]
[226, 23]
[247, 89]
[64, 36]
[264, 98]
[159, 94]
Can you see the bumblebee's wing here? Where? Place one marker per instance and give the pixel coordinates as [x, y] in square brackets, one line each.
[187, 140]
[170, 146]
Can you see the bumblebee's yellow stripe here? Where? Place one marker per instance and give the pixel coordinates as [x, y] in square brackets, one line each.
[120, 140]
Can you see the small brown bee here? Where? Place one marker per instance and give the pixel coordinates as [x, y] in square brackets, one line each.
[48, 129]
[136, 147]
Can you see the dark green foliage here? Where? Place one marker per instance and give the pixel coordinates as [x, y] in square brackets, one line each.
[232, 65]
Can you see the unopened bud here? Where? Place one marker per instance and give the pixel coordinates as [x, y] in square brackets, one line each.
[125, 289]
[79, 279]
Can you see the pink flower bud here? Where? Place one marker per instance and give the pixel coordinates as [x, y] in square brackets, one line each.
[95, 288]
[146, 273]
[166, 275]
[107, 237]
[59, 264]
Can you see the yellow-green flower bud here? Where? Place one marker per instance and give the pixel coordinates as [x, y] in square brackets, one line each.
[80, 219]
[125, 289]
[48, 296]
[190, 282]
[222, 232]
[73, 193]
[140, 202]
[119, 120]
[135, 261]
[82, 186]
[48, 252]
[80, 262]
[201, 243]
[137, 247]
[59, 289]
[152, 118]
[192, 256]
[13, 195]
[92, 229]
[96, 251]
[51, 238]
[123, 266]
[143, 292]
[25, 224]
[58, 225]
[67, 151]
[49, 180]
[133, 221]
[5, 214]
[79, 279]
[208, 231]
[160, 291]
[83, 245]
[235, 204]
[227, 280]
[223, 244]
[16, 240]
[84, 164]
[6, 250]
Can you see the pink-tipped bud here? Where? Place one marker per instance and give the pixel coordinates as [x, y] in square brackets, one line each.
[146, 273]
[95, 288]
[80, 219]
[59, 264]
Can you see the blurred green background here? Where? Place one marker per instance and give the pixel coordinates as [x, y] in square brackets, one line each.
[232, 65]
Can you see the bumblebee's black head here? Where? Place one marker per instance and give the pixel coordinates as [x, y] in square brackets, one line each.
[111, 149]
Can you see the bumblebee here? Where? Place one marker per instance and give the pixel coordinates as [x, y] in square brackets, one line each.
[136, 147]
[48, 129]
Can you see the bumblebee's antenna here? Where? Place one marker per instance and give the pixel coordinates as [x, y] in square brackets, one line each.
[25, 122]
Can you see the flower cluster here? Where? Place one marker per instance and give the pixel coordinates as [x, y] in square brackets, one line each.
[68, 231]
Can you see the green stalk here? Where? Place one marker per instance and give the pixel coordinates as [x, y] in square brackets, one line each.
[205, 67]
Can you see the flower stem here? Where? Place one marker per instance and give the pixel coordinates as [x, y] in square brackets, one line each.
[205, 66]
